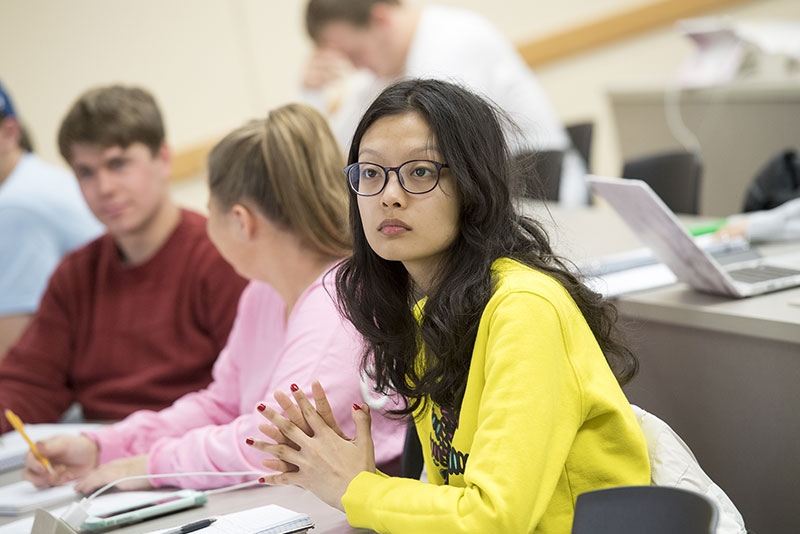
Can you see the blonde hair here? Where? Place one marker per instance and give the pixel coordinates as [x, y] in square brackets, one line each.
[289, 167]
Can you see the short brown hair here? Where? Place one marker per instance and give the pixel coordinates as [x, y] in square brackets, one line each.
[112, 116]
[289, 167]
[319, 13]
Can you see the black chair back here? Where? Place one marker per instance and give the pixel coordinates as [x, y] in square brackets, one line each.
[411, 462]
[580, 133]
[539, 174]
[674, 176]
[644, 510]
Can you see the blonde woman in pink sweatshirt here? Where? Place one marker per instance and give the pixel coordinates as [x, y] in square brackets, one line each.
[278, 214]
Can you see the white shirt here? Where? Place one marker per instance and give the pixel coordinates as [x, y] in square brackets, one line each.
[42, 217]
[778, 224]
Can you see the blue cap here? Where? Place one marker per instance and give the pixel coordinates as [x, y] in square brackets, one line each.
[6, 107]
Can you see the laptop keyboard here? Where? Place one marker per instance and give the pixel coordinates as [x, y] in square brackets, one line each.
[760, 273]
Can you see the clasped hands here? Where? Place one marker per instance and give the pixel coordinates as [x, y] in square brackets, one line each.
[310, 450]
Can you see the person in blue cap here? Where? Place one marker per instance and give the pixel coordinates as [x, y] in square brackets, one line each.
[43, 216]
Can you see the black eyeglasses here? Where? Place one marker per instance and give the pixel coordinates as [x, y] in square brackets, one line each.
[417, 176]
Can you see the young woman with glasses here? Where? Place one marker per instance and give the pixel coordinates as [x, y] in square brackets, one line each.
[509, 365]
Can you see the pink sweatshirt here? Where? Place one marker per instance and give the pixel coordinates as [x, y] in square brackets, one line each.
[206, 430]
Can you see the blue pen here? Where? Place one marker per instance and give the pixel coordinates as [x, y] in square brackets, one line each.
[191, 527]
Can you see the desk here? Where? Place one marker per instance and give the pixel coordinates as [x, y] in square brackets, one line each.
[724, 373]
[326, 519]
[739, 127]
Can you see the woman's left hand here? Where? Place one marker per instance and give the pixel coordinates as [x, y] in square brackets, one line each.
[324, 463]
[114, 470]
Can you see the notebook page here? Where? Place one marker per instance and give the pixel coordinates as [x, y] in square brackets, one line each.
[23, 496]
[269, 519]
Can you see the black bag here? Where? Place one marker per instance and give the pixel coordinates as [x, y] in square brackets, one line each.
[777, 182]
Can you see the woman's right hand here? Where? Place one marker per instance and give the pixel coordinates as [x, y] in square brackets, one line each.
[71, 457]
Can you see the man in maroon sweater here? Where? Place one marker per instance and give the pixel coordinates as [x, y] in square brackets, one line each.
[136, 318]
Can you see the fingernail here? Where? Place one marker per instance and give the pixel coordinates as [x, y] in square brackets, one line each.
[262, 479]
[294, 387]
[356, 406]
[261, 407]
[249, 441]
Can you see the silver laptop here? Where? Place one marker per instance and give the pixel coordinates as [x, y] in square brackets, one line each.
[658, 228]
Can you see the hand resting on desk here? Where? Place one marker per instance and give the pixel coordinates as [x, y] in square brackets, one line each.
[115, 470]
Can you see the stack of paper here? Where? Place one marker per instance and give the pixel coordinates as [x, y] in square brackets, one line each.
[22, 496]
[13, 447]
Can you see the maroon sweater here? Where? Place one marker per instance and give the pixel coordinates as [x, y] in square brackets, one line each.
[118, 339]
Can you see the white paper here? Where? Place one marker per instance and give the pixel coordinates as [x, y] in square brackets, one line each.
[23, 496]
[628, 281]
[269, 519]
[718, 55]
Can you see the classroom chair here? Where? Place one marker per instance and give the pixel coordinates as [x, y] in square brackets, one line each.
[539, 174]
[673, 465]
[644, 510]
[580, 133]
[411, 462]
[674, 176]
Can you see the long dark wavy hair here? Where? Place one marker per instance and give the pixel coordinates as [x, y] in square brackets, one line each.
[378, 296]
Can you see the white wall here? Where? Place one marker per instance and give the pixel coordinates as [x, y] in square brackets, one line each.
[211, 63]
[214, 63]
[578, 86]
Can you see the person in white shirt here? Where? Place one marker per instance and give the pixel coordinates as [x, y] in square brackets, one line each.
[361, 46]
[43, 216]
[777, 224]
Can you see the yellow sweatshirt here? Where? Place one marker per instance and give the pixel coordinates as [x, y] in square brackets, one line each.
[542, 421]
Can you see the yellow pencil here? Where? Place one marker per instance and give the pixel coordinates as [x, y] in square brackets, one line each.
[16, 422]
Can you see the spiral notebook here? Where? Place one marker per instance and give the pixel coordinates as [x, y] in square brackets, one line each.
[269, 519]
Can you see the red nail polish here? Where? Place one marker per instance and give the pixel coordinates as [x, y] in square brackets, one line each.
[294, 387]
[249, 441]
[261, 407]
[262, 479]
[356, 406]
